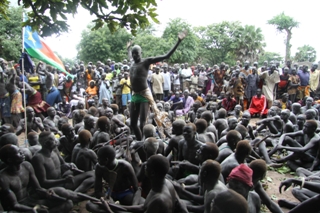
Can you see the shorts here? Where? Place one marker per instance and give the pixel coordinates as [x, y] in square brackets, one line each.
[125, 99]
[137, 98]
[120, 195]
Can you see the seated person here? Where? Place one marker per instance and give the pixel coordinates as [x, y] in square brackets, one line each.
[93, 111]
[16, 181]
[148, 131]
[209, 187]
[67, 141]
[258, 105]
[232, 124]
[34, 124]
[77, 95]
[52, 171]
[285, 102]
[221, 122]
[203, 135]
[228, 103]
[226, 149]
[33, 141]
[11, 138]
[103, 108]
[302, 156]
[92, 90]
[187, 102]
[173, 144]
[64, 108]
[243, 151]
[273, 122]
[120, 176]
[208, 116]
[259, 169]
[89, 124]
[189, 145]
[51, 122]
[116, 126]
[176, 102]
[83, 157]
[35, 101]
[240, 180]
[6, 128]
[237, 112]
[150, 148]
[229, 201]
[162, 196]
[192, 113]
[102, 134]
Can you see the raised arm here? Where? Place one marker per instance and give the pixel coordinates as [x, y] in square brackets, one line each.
[154, 60]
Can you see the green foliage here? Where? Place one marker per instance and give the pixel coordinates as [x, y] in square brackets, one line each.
[249, 43]
[283, 22]
[151, 45]
[229, 41]
[217, 41]
[305, 53]
[269, 56]
[11, 34]
[4, 7]
[188, 49]
[102, 44]
[49, 17]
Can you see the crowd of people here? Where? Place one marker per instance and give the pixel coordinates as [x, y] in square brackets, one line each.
[143, 136]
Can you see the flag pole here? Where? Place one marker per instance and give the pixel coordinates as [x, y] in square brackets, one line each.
[24, 87]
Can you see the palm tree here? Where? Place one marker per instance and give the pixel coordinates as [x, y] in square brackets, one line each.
[249, 43]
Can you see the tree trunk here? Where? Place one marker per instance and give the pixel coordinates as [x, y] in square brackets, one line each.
[288, 45]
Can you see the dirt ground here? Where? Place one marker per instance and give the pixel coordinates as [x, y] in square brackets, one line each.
[272, 181]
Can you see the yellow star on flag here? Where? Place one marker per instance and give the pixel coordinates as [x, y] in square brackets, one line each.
[31, 38]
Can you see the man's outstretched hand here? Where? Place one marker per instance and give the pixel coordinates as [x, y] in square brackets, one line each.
[183, 34]
[129, 43]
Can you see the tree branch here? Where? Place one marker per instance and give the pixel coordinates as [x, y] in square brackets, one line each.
[37, 14]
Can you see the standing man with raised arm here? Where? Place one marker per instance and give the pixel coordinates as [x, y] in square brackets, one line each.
[142, 96]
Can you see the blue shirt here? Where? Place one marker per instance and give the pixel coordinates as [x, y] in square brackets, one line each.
[304, 77]
[53, 96]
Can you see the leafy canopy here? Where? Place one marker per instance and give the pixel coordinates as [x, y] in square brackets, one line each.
[101, 44]
[49, 17]
[306, 53]
[283, 22]
[11, 34]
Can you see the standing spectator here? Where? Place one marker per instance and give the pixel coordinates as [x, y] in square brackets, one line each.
[252, 85]
[16, 102]
[284, 82]
[118, 91]
[314, 79]
[157, 82]
[238, 83]
[176, 80]
[185, 75]
[167, 80]
[126, 90]
[271, 78]
[194, 80]
[294, 83]
[202, 78]
[104, 89]
[303, 89]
